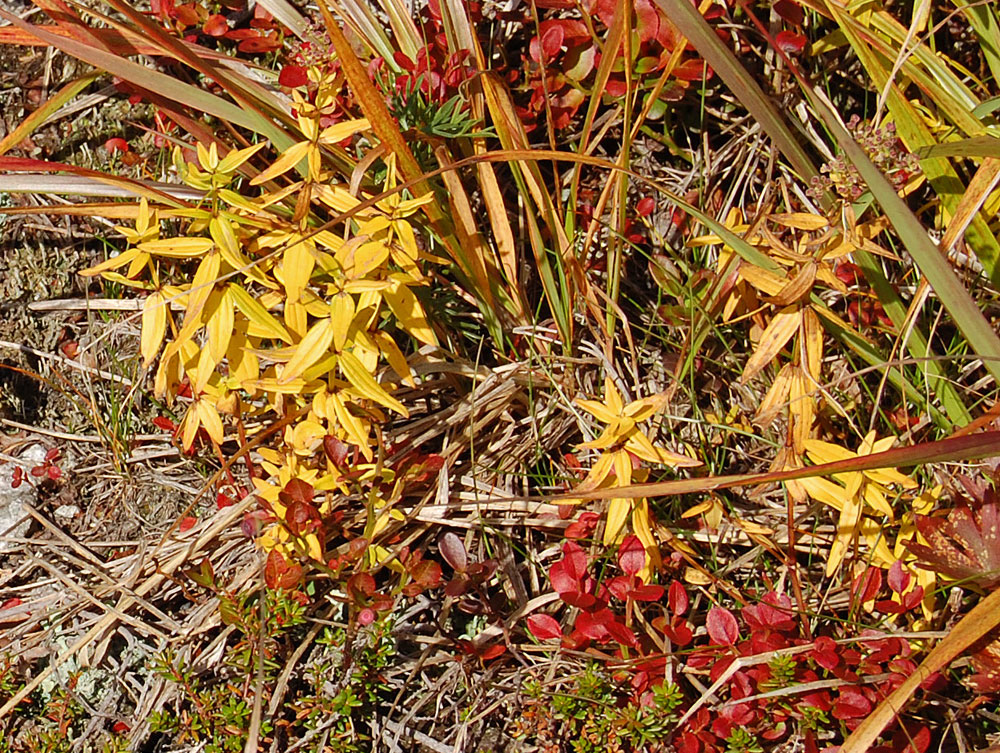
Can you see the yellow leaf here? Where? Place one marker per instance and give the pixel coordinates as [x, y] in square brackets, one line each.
[114, 262]
[797, 288]
[642, 525]
[237, 157]
[262, 323]
[394, 356]
[359, 259]
[338, 132]
[314, 346]
[647, 407]
[355, 429]
[189, 426]
[296, 318]
[366, 385]
[801, 408]
[404, 304]
[800, 220]
[220, 325]
[783, 325]
[341, 317]
[597, 409]
[210, 419]
[776, 397]
[618, 511]
[202, 286]
[812, 343]
[297, 265]
[292, 156]
[616, 432]
[766, 282]
[698, 509]
[154, 327]
[874, 497]
[823, 490]
[178, 248]
[598, 472]
[847, 526]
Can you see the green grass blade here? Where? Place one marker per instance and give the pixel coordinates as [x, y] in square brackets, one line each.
[935, 267]
[722, 60]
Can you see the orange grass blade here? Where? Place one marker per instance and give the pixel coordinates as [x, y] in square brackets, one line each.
[144, 77]
[977, 623]
[953, 449]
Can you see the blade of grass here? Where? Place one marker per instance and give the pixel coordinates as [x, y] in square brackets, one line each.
[915, 341]
[148, 79]
[934, 266]
[48, 108]
[915, 134]
[697, 30]
[982, 17]
[981, 620]
[461, 36]
[470, 260]
[84, 181]
[953, 449]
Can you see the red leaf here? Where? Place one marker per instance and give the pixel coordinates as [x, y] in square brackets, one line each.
[187, 523]
[645, 206]
[650, 592]
[335, 449]
[851, 705]
[722, 626]
[680, 633]
[278, 573]
[120, 728]
[497, 649]
[584, 527]
[267, 43]
[677, 598]
[562, 580]
[867, 585]
[592, 627]
[216, 25]
[575, 559]
[693, 70]
[631, 555]
[296, 490]
[790, 42]
[621, 634]
[552, 37]
[189, 14]
[790, 11]
[293, 76]
[361, 585]
[426, 573]
[302, 518]
[453, 551]
[544, 627]
[825, 652]
[899, 579]
[116, 144]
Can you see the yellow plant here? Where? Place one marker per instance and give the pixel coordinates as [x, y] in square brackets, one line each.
[278, 317]
[857, 497]
[621, 443]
